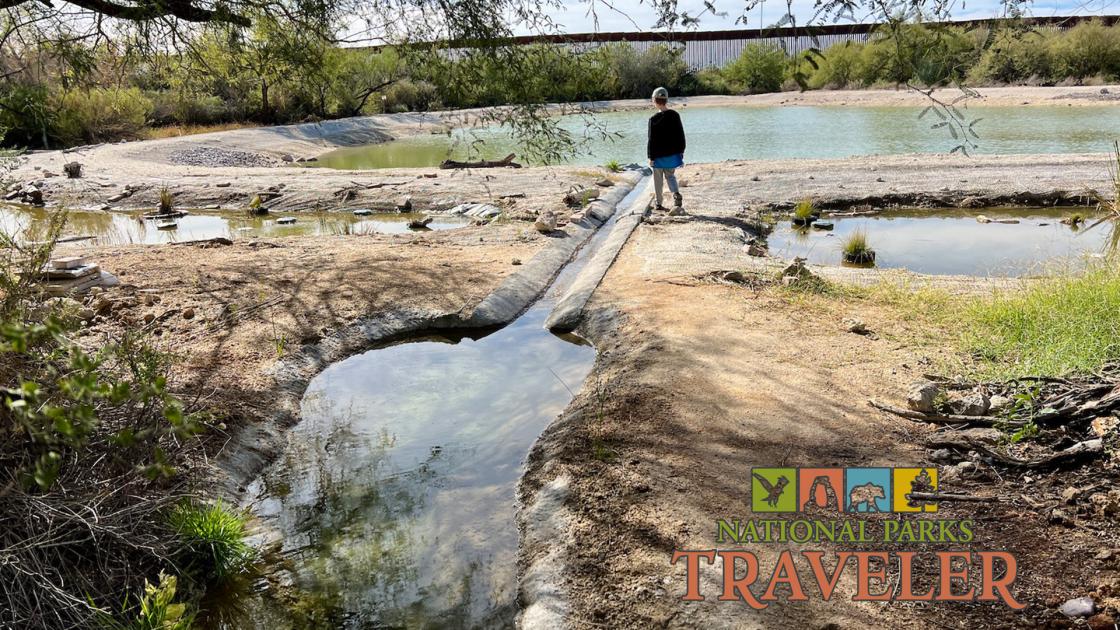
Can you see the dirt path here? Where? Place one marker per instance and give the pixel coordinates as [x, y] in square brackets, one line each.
[698, 381]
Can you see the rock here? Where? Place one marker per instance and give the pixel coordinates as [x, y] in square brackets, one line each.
[853, 325]
[941, 455]
[982, 219]
[149, 318]
[921, 395]
[822, 225]
[222, 184]
[1103, 554]
[479, 210]
[733, 276]
[33, 196]
[546, 222]
[999, 404]
[678, 212]
[405, 205]
[880, 179]
[515, 262]
[970, 404]
[754, 178]
[102, 306]
[287, 157]
[755, 249]
[1070, 494]
[419, 224]
[1058, 517]
[605, 183]
[73, 170]
[188, 313]
[1078, 607]
[1106, 505]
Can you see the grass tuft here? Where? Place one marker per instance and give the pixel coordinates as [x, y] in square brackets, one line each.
[856, 248]
[166, 200]
[804, 209]
[213, 538]
[613, 166]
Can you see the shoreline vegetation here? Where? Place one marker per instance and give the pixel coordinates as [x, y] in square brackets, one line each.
[266, 79]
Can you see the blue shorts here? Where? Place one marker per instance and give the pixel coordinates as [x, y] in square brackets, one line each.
[669, 161]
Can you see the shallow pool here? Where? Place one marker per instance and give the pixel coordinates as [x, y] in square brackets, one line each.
[952, 241]
[740, 132]
[117, 228]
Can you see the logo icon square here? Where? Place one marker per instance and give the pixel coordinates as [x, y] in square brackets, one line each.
[867, 490]
[907, 480]
[774, 489]
[819, 489]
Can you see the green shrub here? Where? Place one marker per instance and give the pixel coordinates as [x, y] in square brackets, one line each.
[839, 67]
[856, 248]
[410, 96]
[759, 69]
[100, 115]
[213, 539]
[189, 108]
[1086, 50]
[1015, 56]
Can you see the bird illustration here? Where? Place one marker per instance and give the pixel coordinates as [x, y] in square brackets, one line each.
[773, 490]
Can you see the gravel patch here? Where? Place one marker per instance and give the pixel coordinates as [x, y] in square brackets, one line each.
[216, 157]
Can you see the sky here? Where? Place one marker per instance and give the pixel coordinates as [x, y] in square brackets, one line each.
[636, 15]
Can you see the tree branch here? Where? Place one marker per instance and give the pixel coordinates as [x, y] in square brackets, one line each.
[151, 10]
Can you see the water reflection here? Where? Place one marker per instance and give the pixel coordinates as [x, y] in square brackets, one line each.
[952, 241]
[119, 228]
[395, 496]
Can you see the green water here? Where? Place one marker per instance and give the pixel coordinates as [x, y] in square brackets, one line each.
[952, 241]
[121, 228]
[733, 133]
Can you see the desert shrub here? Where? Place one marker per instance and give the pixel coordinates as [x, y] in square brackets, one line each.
[411, 96]
[712, 81]
[189, 108]
[100, 114]
[632, 74]
[1014, 56]
[26, 116]
[929, 55]
[1088, 49]
[759, 69]
[838, 67]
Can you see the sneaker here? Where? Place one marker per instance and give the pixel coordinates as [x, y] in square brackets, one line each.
[678, 201]
[660, 208]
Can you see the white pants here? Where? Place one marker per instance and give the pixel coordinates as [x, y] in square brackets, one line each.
[662, 175]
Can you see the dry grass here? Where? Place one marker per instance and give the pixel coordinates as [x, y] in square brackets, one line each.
[175, 131]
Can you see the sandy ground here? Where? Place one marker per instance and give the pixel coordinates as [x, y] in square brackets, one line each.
[699, 380]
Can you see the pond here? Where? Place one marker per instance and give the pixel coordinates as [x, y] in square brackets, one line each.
[952, 241]
[119, 228]
[740, 132]
[395, 497]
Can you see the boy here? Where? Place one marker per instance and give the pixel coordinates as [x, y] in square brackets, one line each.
[665, 148]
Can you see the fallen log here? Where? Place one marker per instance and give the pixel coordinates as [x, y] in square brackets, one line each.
[506, 162]
[939, 418]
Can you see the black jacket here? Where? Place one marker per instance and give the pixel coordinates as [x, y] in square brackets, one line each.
[666, 135]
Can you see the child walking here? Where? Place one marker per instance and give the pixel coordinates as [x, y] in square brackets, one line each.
[665, 148]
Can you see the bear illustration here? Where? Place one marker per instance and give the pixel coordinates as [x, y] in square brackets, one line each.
[865, 496]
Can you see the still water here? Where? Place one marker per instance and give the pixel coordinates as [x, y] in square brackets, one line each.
[121, 228]
[733, 133]
[952, 241]
[395, 498]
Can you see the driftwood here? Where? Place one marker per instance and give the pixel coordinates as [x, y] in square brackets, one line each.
[506, 162]
[1075, 452]
[942, 496]
[939, 418]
